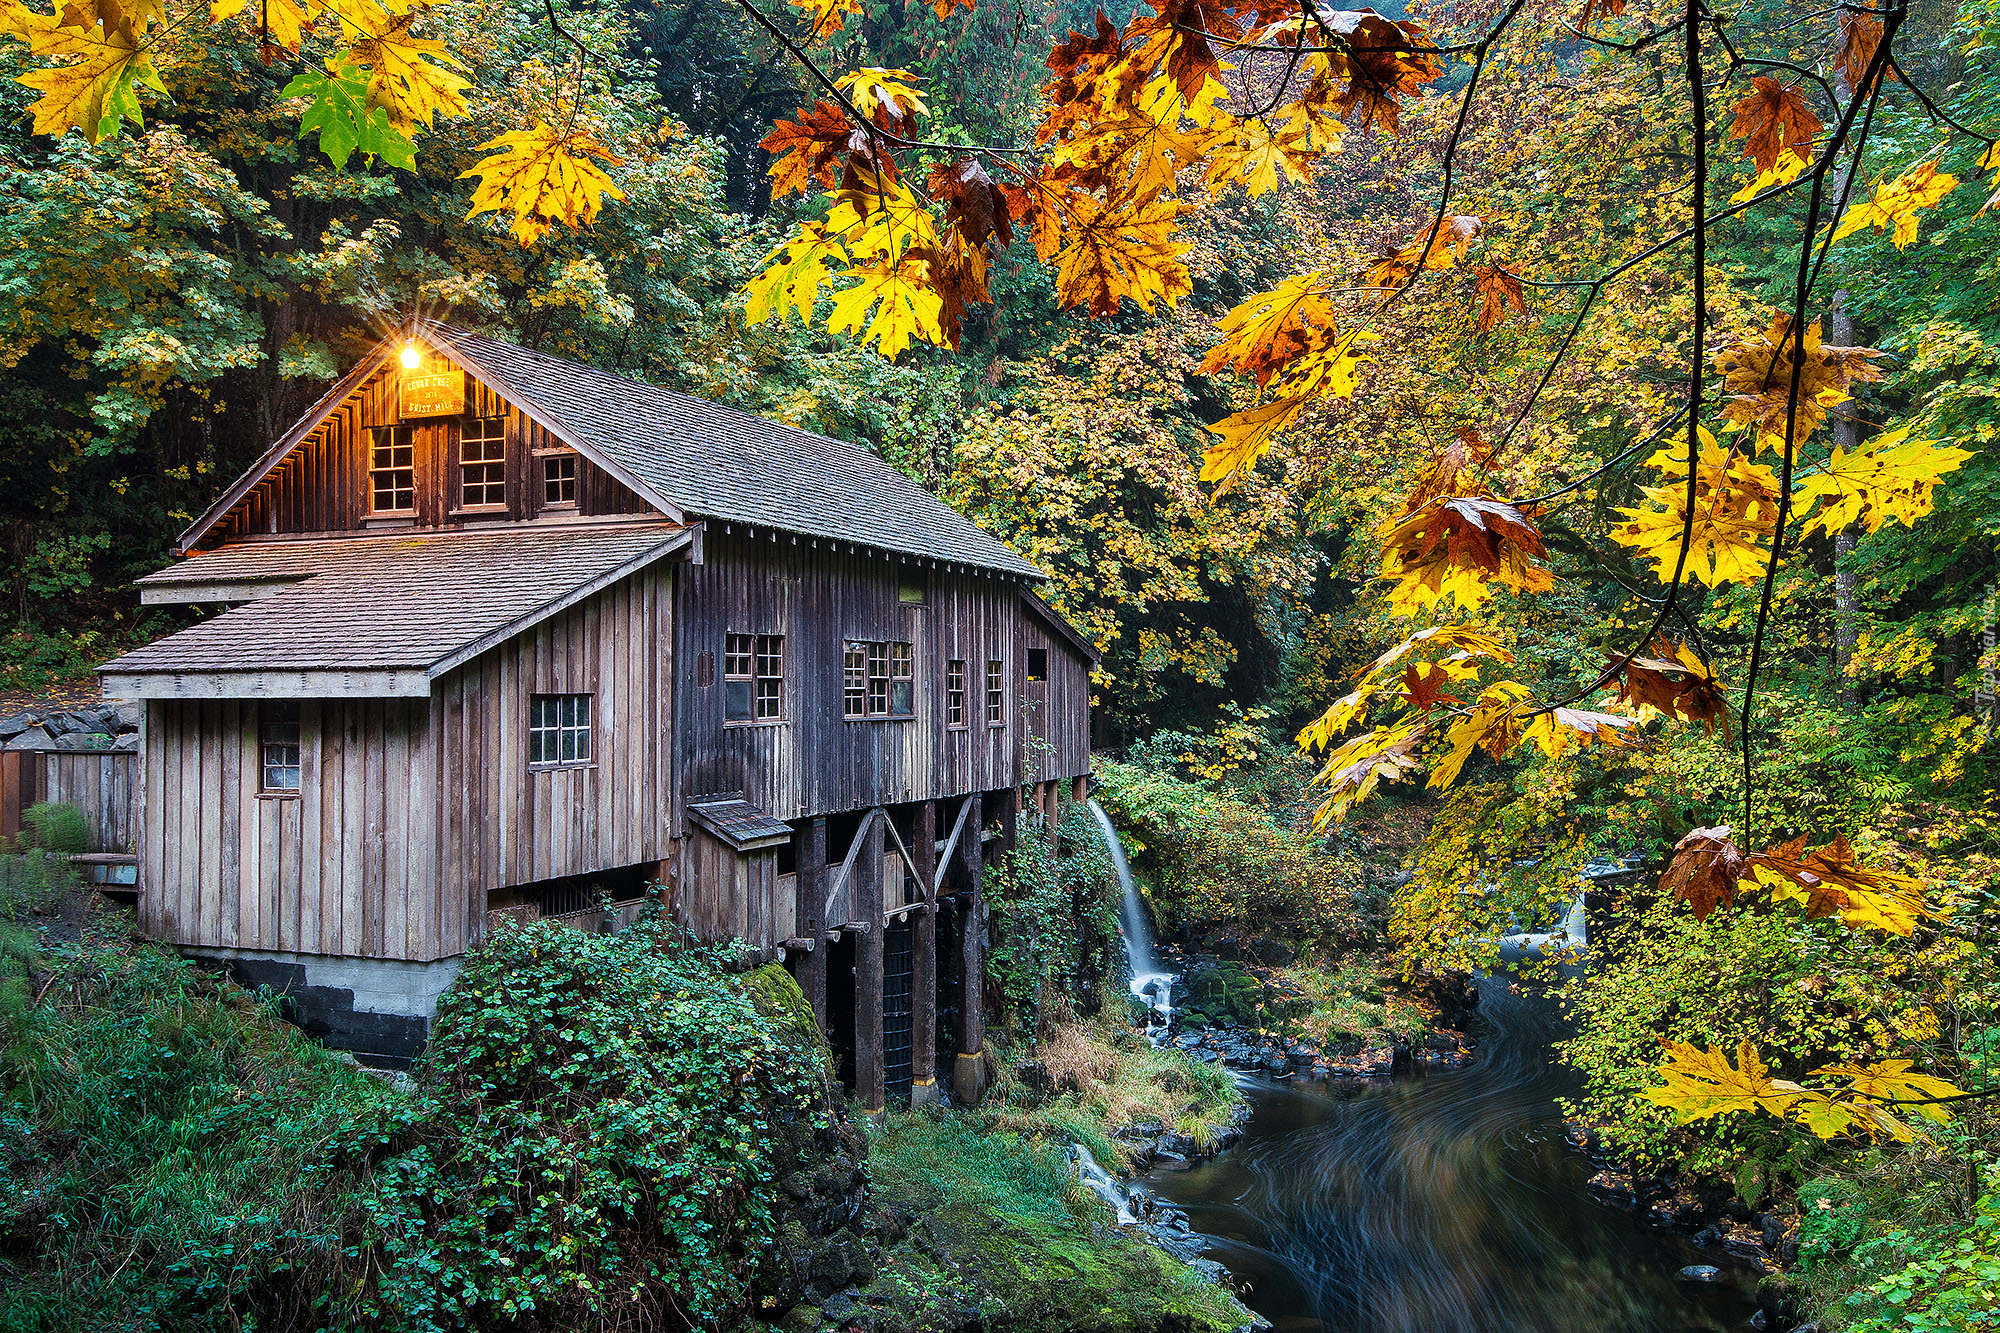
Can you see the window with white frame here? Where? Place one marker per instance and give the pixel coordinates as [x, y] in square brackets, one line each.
[482, 463]
[878, 679]
[392, 471]
[996, 695]
[558, 729]
[278, 747]
[753, 677]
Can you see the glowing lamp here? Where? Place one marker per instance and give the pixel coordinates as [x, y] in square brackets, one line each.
[412, 358]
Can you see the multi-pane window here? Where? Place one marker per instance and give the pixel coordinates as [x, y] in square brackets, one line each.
[392, 471]
[879, 679]
[996, 698]
[954, 693]
[278, 746]
[559, 729]
[482, 462]
[558, 480]
[753, 677]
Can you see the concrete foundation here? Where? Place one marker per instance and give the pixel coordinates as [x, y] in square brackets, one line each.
[377, 1008]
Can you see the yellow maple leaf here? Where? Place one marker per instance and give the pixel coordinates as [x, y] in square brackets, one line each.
[1244, 437]
[879, 219]
[1895, 1083]
[1354, 770]
[1782, 172]
[1700, 1084]
[283, 22]
[1117, 250]
[1894, 478]
[1267, 331]
[543, 176]
[1894, 207]
[407, 75]
[1736, 506]
[1493, 725]
[1250, 155]
[828, 15]
[883, 93]
[99, 66]
[906, 307]
[1561, 730]
[792, 275]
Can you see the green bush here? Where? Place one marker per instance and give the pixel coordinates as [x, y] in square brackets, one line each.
[592, 1140]
[1928, 1278]
[1054, 922]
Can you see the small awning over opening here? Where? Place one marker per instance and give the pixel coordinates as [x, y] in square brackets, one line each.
[740, 824]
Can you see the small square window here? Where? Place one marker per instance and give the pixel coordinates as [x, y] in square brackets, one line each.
[558, 729]
[910, 591]
[753, 677]
[482, 459]
[278, 746]
[558, 481]
[1038, 664]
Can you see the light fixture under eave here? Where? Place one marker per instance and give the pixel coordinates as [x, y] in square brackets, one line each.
[412, 358]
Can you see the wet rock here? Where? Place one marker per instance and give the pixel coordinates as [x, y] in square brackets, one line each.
[1700, 1273]
[1613, 1188]
[31, 738]
[10, 727]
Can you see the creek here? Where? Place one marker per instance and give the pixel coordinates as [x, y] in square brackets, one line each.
[1442, 1201]
[1436, 1201]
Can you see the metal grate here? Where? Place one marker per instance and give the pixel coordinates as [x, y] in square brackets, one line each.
[896, 1013]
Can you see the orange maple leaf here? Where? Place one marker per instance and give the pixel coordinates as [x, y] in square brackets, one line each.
[1774, 117]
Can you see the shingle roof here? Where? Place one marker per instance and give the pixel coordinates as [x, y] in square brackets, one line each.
[392, 603]
[739, 823]
[719, 462]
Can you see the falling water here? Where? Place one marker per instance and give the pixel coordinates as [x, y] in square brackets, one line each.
[1101, 1183]
[1150, 982]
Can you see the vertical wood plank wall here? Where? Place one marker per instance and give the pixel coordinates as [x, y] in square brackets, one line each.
[322, 485]
[505, 824]
[103, 784]
[813, 761]
[347, 866]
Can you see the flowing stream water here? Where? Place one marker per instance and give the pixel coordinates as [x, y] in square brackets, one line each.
[1442, 1202]
[1150, 982]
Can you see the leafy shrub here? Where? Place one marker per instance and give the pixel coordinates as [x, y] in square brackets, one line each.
[1054, 921]
[1920, 1279]
[592, 1141]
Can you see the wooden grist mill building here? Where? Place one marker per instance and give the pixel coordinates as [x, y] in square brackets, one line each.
[504, 634]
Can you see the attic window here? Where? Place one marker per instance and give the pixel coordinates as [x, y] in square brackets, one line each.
[392, 471]
[1038, 664]
[482, 458]
[558, 729]
[559, 481]
[910, 591]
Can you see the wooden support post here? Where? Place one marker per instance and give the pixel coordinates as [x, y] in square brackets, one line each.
[812, 915]
[968, 1081]
[1079, 790]
[866, 895]
[923, 963]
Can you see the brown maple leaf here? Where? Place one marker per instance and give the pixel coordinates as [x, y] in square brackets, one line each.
[1382, 61]
[1599, 9]
[1774, 117]
[1860, 35]
[1676, 682]
[1473, 535]
[1178, 37]
[1705, 871]
[1422, 685]
[974, 205]
[1497, 289]
[808, 149]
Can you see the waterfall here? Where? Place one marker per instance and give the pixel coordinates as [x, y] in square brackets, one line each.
[1150, 982]
[1101, 1183]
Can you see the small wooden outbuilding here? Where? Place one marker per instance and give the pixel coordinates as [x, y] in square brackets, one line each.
[500, 633]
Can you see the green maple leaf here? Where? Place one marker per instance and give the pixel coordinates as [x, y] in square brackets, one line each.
[344, 120]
